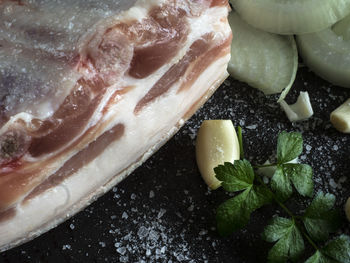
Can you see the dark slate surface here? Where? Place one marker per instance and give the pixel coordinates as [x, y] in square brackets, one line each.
[165, 213]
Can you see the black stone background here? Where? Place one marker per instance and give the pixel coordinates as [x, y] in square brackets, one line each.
[164, 212]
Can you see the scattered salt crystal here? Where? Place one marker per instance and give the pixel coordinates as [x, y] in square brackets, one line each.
[308, 147]
[161, 213]
[148, 252]
[252, 127]
[335, 147]
[125, 215]
[190, 208]
[143, 232]
[127, 237]
[193, 133]
[153, 235]
[162, 250]
[71, 226]
[133, 196]
[102, 244]
[180, 257]
[124, 259]
[151, 194]
[203, 232]
[65, 247]
[121, 250]
[332, 183]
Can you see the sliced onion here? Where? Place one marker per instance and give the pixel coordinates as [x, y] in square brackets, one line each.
[265, 61]
[327, 53]
[292, 16]
[342, 28]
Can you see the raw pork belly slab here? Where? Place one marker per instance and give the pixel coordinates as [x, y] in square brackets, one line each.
[89, 90]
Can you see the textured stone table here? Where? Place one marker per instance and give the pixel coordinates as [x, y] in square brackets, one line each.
[165, 213]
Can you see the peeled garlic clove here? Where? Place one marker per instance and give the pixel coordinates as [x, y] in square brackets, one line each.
[340, 117]
[217, 143]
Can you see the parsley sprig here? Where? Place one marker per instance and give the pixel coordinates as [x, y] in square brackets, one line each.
[314, 225]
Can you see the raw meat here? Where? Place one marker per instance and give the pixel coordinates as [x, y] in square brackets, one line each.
[89, 90]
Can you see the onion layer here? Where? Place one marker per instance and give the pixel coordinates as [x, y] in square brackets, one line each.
[327, 53]
[292, 16]
[265, 61]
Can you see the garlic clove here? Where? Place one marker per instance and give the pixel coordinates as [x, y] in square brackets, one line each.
[216, 143]
[340, 117]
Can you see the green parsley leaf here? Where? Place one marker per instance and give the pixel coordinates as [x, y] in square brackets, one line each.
[301, 177]
[289, 146]
[232, 215]
[235, 177]
[235, 213]
[319, 220]
[290, 243]
[339, 249]
[277, 228]
[258, 197]
[298, 174]
[280, 183]
[318, 257]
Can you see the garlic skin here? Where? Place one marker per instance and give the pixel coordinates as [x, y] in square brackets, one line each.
[299, 111]
[340, 117]
[216, 143]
